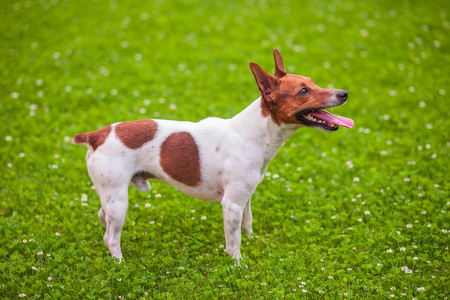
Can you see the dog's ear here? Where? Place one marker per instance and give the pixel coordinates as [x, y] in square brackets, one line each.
[280, 70]
[266, 83]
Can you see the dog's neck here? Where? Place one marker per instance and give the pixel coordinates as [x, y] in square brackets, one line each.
[253, 126]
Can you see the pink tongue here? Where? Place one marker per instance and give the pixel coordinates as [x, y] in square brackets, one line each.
[332, 119]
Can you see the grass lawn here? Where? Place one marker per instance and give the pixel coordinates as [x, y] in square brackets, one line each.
[361, 213]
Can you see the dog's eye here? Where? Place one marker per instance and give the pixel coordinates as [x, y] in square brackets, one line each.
[303, 91]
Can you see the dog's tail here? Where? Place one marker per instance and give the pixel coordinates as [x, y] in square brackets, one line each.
[94, 138]
[81, 138]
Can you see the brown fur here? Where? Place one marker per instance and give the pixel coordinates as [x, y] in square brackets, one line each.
[289, 101]
[134, 134]
[180, 159]
[280, 93]
[93, 138]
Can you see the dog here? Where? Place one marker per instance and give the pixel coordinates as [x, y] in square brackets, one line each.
[219, 160]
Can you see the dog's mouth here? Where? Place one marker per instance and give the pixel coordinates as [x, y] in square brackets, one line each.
[321, 119]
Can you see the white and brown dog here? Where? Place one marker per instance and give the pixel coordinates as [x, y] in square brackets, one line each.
[220, 160]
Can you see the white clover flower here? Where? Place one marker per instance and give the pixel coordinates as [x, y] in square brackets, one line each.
[403, 249]
[263, 283]
[415, 258]
[22, 295]
[50, 279]
[147, 205]
[408, 226]
[40, 253]
[367, 212]
[389, 250]
[203, 218]
[421, 289]
[304, 291]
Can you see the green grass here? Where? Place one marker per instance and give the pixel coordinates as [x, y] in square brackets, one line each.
[74, 66]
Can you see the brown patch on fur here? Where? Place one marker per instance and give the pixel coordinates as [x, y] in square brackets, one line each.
[264, 109]
[280, 94]
[289, 101]
[93, 138]
[180, 159]
[284, 100]
[134, 134]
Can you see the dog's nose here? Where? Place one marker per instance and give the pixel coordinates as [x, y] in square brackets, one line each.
[342, 95]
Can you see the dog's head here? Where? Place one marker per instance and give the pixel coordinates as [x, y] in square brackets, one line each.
[294, 99]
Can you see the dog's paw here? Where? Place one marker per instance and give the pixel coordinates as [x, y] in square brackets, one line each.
[237, 259]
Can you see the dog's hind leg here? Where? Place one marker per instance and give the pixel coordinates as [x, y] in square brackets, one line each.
[114, 208]
[247, 219]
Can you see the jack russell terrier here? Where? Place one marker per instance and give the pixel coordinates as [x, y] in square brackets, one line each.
[220, 160]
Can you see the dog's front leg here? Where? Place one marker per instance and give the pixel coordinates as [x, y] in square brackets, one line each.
[233, 209]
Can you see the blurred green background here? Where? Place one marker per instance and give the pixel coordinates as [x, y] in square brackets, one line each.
[75, 66]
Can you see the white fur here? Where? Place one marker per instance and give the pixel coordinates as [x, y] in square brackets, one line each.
[234, 154]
